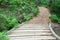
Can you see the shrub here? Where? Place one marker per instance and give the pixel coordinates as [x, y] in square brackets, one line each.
[55, 8]
[44, 3]
[54, 18]
[7, 23]
[18, 7]
[13, 12]
[3, 37]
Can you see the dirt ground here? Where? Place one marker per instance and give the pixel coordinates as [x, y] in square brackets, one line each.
[42, 17]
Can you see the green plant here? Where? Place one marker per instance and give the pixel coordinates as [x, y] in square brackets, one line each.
[55, 9]
[3, 37]
[13, 12]
[7, 23]
[54, 18]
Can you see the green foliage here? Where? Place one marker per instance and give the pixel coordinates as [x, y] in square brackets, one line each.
[13, 12]
[3, 37]
[55, 8]
[7, 23]
[55, 5]
[54, 18]
[44, 3]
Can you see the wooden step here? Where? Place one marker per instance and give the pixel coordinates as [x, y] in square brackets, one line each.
[32, 26]
[33, 38]
[30, 34]
[31, 31]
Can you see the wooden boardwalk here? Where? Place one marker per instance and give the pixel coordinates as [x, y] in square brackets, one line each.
[35, 29]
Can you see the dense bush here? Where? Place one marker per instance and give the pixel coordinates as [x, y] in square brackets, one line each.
[13, 12]
[44, 3]
[54, 18]
[20, 7]
[55, 10]
[56, 6]
[7, 23]
[3, 37]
